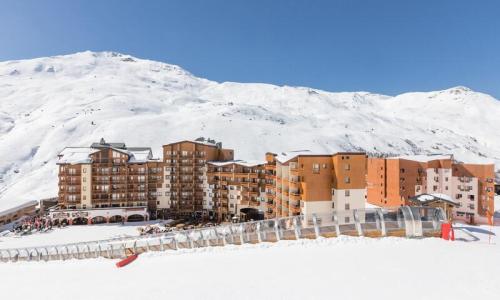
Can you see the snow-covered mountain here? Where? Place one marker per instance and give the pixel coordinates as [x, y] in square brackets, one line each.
[74, 100]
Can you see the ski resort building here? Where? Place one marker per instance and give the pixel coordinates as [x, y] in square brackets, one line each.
[16, 213]
[234, 189]
[394, 181]
[304, 183]
[185, 168]
[109, 175]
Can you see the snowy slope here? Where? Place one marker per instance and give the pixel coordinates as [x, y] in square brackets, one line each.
[337, 268]
[74, 100]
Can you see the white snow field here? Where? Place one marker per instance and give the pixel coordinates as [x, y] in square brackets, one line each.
[72, 234]
[336, 268]
[49, 103]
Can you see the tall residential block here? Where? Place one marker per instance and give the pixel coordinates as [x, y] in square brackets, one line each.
[234, 189]
[184, 171]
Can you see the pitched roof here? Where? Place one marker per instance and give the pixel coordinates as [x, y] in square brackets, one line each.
[76, 155]
[245, 163]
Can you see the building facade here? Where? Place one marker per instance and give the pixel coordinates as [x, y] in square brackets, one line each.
[107, 175]
[393, 181]
[184, 171]
[234, 189]
[303, 183]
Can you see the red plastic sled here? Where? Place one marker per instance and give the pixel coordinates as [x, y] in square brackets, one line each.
[126, 261]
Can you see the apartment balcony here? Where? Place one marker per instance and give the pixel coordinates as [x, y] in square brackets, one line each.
[270, 195]
[246, 174]
[294, 196]
[295, 210]
[270, 167]
[136, 172]
[67, 174]
[294, 184]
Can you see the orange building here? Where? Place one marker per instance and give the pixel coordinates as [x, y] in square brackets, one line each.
[393, 181]
[184, 173]
[301, 182]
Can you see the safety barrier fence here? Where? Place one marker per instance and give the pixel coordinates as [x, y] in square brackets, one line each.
[401, 222]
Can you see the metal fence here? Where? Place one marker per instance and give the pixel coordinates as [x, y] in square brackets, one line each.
[401, 222]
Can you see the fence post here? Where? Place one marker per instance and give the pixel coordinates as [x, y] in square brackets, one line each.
[382, 221]
[315, 223]
[176, 243]
[218, 237]
[190, 240]
[232, 234]
[296, 226]
[242, 241]
[357, 223]
[276, 230]
[259, 238]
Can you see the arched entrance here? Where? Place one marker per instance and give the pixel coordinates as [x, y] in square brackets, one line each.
[135, 218]
[80, 221]
[249, 213]
[98, 220]
[116, 219]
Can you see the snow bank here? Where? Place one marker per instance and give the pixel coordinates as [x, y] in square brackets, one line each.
[341, 268]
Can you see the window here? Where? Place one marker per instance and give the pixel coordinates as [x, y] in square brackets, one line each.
[402, 170]
[458, 196]
[315, 168]
[347, 220]
[347, 167]
[347, 206]
[347, 179]
[324, 166]
[434, 188]
[84, 170]
[333, 205]
[333, 192]
[84, 179]
[347, 193]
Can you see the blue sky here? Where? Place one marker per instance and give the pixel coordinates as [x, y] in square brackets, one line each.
[378, 46]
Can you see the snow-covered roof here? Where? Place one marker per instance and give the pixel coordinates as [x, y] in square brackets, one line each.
[19, 207]
[81, 155]
[435, 196]
[424, 157]
[286, 156]
[76, 155]
[245, 163]
[141, 155]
